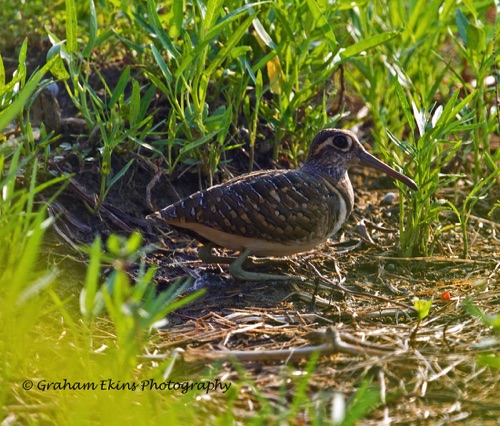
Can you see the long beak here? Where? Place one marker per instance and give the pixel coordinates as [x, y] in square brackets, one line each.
[369, 160]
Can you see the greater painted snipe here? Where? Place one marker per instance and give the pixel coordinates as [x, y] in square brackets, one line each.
[277, 212]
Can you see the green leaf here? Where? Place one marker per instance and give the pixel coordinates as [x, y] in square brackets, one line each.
[119, 175]
[447, 111]
[462, 25]
[404, 104]
[423, 17]
[158, 30]
[135, 102]
[367, 44]
[34, 289]
[7, 115]
[21, 71]
[134, 242]
[476, 38]
[114, 244]
[106, 158]
[366, 398]
[406, 147]
[92, 31]
[2, 75]
[58, 69]
[159, 84]
[258, 85]
[495, 322]
[285, 23]
[120, 87]
[162, 64]
[177, 17]
[323, 25]
[88, 293]
[462, 104]
[146, 101]
[224, 52]
[213, 11]
[263, 35]
[226, 20]
[71, 27]
[190, 57]
[491, 361]
[488, 320]
[226, 122]
[201, 141]
[422, 307]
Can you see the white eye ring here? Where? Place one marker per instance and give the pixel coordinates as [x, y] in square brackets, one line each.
[342, 142]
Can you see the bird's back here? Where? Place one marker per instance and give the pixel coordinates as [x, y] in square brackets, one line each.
[275, 212]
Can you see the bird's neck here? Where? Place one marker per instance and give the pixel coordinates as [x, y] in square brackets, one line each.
[336, 176]
[331, 172]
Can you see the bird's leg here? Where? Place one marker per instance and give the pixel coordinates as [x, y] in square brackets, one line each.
[206, 256]
[235, 269]
[236, 263]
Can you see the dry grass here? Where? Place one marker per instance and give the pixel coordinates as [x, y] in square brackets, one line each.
[356, 309]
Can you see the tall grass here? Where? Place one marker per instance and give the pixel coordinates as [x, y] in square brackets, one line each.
[203, 52]
[224, 67]
[41, 339]
[420, 102]
[120, 117]
[22, 226]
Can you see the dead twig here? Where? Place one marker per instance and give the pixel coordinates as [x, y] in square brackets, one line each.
[360, 293]
[334, 344]
[432, 259]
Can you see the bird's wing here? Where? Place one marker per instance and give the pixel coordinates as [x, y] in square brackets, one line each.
[281, 206]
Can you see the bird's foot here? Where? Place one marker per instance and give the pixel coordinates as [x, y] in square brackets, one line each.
[236, 270]
[236, 266]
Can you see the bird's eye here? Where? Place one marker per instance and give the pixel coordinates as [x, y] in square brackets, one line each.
[342, 142]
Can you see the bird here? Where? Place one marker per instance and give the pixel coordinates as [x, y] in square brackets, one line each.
[277, 212]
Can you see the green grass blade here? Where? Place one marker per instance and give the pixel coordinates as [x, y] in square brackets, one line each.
[263, 35]
[192, 145]
[134, 103]
[158, 30]
[71, 27]
[21, 69]
[226, 50]
[120, 87]
[162, 64]
[368, 43]
[92, 277]
[404, 104]
[2, 75]
[92, 31]
[158, 83]
[212, 12]
[322, 23]
[16, 107]
[118, 176]
[177, 17]
[146, 102]
[365, 400]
